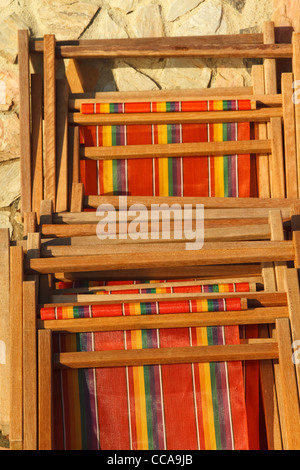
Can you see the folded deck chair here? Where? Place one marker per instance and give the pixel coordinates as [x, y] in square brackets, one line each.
[150, 407]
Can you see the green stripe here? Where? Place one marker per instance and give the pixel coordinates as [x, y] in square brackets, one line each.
[115, 175]
[148, 407]
[143, 311]
[213, 366]
[114, 135]
[169, 133]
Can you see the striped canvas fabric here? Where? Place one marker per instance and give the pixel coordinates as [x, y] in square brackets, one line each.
[142, 289]
[140, 308]
[221, 176]
[140, 408]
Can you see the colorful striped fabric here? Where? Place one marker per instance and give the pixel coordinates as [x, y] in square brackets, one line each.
[178, 406]
[164, 106]
[221, 176]
[139, 308]
[231, 287]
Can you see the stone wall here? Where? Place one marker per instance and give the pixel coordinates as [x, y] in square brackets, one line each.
[73, 19]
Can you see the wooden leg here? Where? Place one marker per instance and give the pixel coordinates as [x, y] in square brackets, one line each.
[45, 428]
[29, 365]
[16, 348]
[288, 384]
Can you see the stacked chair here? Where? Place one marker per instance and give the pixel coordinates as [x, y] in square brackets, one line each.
[138, 343]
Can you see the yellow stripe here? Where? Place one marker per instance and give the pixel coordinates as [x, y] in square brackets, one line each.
[161, 107]
[162, 134]
[218, 105]
[104, 108]
[108, 176]
[223, 287]
[206, 395]
[106, 136]
[219, 177]
[201, 305]
[163, 177]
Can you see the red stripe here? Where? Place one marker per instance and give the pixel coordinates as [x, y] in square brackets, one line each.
[112, 396]
[179, 407]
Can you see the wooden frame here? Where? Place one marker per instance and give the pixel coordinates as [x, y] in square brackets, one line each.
[61, 144]
[243, 239]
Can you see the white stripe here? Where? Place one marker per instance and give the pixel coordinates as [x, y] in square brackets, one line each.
[98, 182]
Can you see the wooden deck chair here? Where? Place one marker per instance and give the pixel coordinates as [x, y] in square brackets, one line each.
[239, 45]
[52, 149]
[70, 325]
[31, 253]
[70, 298]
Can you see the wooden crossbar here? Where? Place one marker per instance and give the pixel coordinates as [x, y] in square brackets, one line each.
[143, 322]
[177, 150]
[205, 117]
[196, 354]
[152, 49]
[241, 252]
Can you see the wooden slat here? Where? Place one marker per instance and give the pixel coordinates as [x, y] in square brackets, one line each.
[293, 298]
[88, 299]
[205, 117]
[171, 213]
[242, 252]
[227, 233]
[180, 355]
[24, 115]
[62, 97]
[49, 119]
[277, 163]
[206, 272]
[45, 396]
[171, 47]
[277, 234]
[180, 150]
[289, 386]
[29, 225]
[289, 135]
[37, 142]
[140, 285]
[296, 72]
[16, 348]
[246, 317]
[270, 404]
[253, 38]
[208, 202]
[263, 159]
[77, 197]
[74, 156]
[258, 299]
[29, 366]
[4, 331]
[269, 64]
[50, 248]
